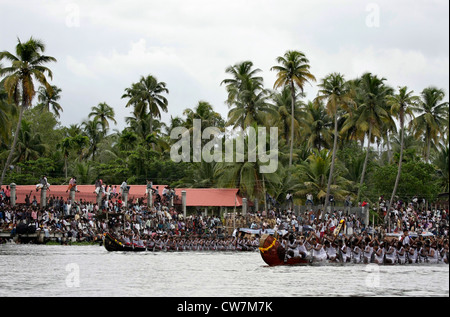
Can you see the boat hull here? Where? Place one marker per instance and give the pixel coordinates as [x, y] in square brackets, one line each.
[273, 253]
[112, 244]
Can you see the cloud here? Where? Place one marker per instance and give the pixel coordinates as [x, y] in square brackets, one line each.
[114, 71]
[402, 67]
[189, 44]
[79, 69]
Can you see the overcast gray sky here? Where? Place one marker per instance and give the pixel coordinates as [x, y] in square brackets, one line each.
[103, 46]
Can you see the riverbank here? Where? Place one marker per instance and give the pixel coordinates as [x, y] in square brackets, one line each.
[45, 238]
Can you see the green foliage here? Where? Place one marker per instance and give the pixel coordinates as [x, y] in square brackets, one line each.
[416, 178]
[26, 68]
[313, 176]
[364, 109]
[29, 172]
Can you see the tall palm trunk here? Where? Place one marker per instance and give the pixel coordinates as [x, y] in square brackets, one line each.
[389, 152]
[151, 121]
[13, 146]
[264, 194]
[65, 166]
[330, 177]
[291, 151]
[397, 179]
[428, 138]
[365, 162]
[151, 130]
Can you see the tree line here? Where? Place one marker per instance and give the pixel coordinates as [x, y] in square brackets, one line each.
[357, 138]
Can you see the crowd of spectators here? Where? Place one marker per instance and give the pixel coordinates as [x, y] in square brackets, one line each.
[86, 221]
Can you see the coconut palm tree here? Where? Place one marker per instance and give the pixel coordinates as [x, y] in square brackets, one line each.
[72, 130]
[6, 112]
[202, 176]
[160, 145]
[148, 94]
[127, 140]
[316, 125]
[409, 141]
[252, 107]
[431, 119]
[80, 143]
[84, 172]
[247, 98]
[313, 176]
[242, 78]
[282, 104]
[174, 122]
[49, 100]
[26, 66]
[205, 112]
[95, 135]
[441, 161]
[446, 131]
[65, 146]
[401, 106]
[103, 113]
[337, 94]
[388, 128]
[370, 114]
[288, 183]
[245, 175]
[292, 71]
[139, 124]
[29, 144]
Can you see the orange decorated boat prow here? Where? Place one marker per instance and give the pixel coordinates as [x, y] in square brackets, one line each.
[273, 253]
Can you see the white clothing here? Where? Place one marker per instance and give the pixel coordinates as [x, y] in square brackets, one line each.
[406, 240]
[391, 255]
[319, 255]
[402, 258]
[435, 258]
[368, 251]
[379, 259]
[346, 253]
[356, 254]
[331, 251]
[422, 259]
[302, 249]
[413, 256]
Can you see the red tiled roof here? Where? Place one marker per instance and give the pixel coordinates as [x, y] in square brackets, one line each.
[208, 197]
[195, 197]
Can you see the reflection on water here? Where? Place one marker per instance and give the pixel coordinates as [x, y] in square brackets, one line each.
[35, 270]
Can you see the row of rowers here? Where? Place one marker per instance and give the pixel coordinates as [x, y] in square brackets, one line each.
[363, 248]
[163, 242]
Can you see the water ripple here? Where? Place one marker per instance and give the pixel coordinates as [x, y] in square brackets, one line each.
[30, 270]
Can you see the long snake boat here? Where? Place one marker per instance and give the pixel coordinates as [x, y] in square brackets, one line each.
[111, 243]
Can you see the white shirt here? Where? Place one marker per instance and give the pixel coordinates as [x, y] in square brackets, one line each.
[320, 253]
[368, 250]
[406, 240]
[331, 251]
